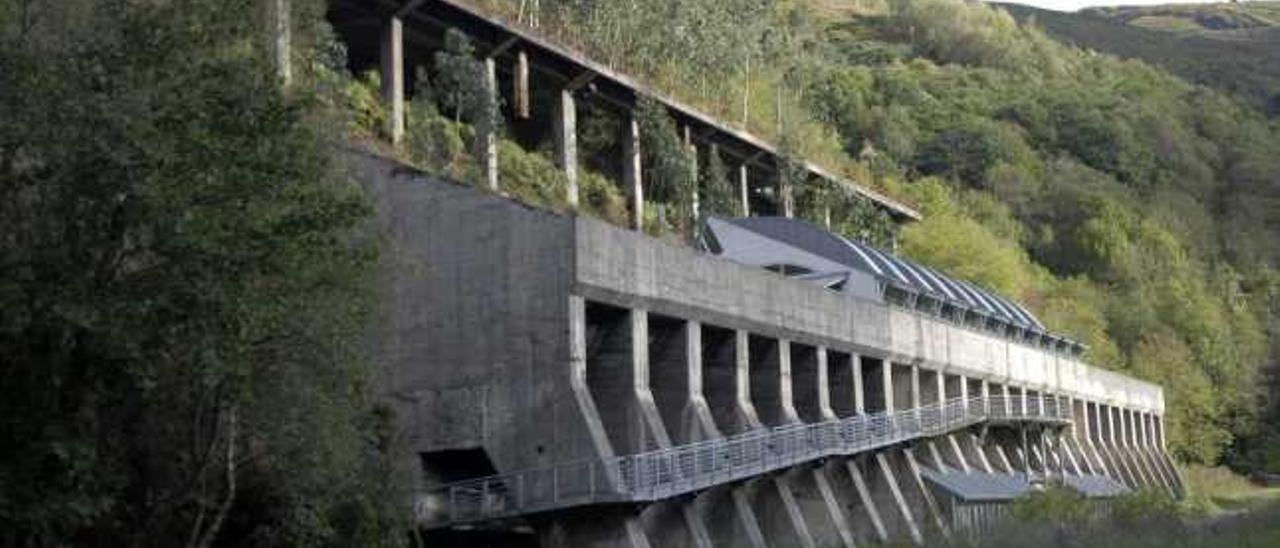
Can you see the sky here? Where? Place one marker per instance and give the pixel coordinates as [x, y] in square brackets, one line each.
[1073, 5]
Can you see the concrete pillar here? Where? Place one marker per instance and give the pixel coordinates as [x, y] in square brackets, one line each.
[842, 383]
[520, 96]
[859, 394]
[618, 373]
[771, 381]
[744, 199]
[692, 150]
[930, 505]
[730, 521]
[889, 484]
[393, 77]
[282, 35]
[778, 513]
[822, 513]
[873, 524]
[489, 141]
[808, 383]
[566, 140]
[786, 200]
[631, 170]
[727, 379]
[675, 369]
[675, 523]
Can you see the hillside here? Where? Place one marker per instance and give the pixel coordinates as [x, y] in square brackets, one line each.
[1232, 47]
[1128, 207]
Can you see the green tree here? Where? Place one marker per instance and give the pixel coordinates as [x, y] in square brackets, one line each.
[183, 288]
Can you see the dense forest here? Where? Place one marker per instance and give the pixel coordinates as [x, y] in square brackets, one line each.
[185, 278]
[1230, 47]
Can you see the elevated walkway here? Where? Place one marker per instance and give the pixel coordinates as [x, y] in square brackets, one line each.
[667, 473]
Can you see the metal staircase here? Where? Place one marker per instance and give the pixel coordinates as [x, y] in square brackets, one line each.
[675, 471]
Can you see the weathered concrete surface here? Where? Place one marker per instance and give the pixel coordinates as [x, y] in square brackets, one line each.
[539, 339]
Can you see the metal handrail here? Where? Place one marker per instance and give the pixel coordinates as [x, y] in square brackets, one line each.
[674, 471]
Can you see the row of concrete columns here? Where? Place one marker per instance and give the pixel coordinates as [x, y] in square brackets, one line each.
[656, 381]
[565, 129]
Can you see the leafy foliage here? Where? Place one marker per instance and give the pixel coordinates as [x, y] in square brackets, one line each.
[183, 289]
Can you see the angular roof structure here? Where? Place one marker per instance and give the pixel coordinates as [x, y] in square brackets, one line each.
[804, 251]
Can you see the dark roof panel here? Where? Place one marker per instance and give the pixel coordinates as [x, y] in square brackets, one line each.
[885, 266]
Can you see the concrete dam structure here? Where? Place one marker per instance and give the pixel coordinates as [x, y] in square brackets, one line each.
[565, 382]
[593, 386]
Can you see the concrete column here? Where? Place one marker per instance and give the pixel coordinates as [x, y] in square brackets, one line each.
[1153, 459]
[675, 368]
[282, 36]
[393, 77]
[520, 82]
[692, 150]
[730, 520]
[890, 484]
[489, 141]
[586, 405]
[786, 201]
[744, 199]
[875, 524]
[859, 394]
[931, 505]
[566, 140]
[822, 514]
[631, 170]
[779, 515]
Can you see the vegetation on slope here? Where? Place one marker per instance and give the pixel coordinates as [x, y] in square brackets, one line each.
[1132, 209]
[1230, 47]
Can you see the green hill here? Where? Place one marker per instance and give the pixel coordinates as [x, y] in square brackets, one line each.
[1232, 47]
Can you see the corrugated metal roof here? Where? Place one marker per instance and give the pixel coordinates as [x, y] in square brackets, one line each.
[866, 258]
[982, 487]
[979, 487]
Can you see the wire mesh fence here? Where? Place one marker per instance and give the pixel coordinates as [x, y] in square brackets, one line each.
[692, 467]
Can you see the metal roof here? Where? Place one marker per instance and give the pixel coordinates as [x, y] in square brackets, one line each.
[885, 266]
[983, 487]
[979, 487]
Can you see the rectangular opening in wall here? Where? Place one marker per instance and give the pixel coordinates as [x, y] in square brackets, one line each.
[766, 379]
[805, 388]
[669, 372]
[720, 376]
[873, 385]
[455, 465]
[610, 373]
[840, 383]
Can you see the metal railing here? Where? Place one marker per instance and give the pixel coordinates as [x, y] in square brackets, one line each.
[692, 467]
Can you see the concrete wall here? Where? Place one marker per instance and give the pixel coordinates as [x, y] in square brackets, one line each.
[626, 267]
[473, 329]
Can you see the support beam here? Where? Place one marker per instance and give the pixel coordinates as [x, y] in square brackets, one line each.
[631, 174]
[489, 140]
[520, 96]
[886, 471]
[282, 37]
[868, 503]
[566, 140]
[744, 200]
[393, 77]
